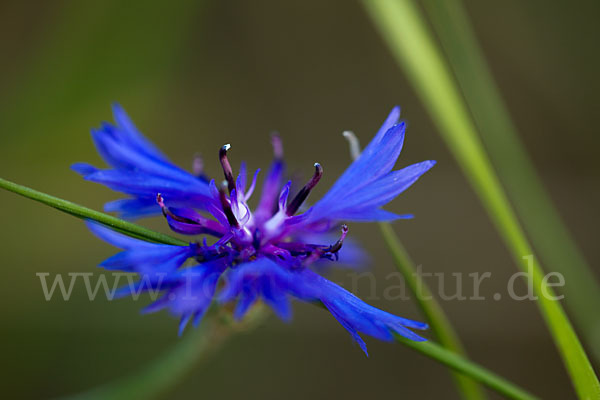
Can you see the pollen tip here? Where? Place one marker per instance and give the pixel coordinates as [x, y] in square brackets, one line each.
[160, 200]
[344, 233]
[317, 175]
[223, 151]
[227, 171]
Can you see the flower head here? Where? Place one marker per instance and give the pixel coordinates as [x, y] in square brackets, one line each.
[266, 253]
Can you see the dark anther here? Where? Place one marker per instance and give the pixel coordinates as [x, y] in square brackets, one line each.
[334, 248]
[227, 171]
[166, 212]
[303, 193]
[227, 208]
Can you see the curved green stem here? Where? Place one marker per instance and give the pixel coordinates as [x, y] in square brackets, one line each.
[87, 213]
[411, 43]
[439, 323]
[468, 368]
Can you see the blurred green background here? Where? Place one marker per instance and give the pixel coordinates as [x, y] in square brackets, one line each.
[196, 75]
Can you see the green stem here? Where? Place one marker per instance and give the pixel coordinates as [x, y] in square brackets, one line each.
[187, 351]
[411, 43]
[468, 368]
[439, 323]
[87, 213]
[550, 237]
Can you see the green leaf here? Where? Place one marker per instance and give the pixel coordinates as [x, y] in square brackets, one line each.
[410, 41]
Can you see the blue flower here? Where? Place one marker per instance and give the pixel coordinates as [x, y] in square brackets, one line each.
[270, 254]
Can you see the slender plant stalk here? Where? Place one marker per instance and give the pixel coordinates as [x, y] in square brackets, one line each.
[437, 319]
[439, 323]
[402, 26]
[87, 213]
[550, 237]
[433, 351]
[468, 368]
[464, 366]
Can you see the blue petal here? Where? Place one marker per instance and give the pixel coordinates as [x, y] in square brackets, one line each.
[133, 136]
[140, 169]
[388, 187]
[247, 299]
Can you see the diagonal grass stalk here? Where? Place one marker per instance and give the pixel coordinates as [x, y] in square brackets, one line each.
[437, 319]
[76, 210]
[403, 28]
[467, 368]
[147, 376]
[439, 323]
[550, 237]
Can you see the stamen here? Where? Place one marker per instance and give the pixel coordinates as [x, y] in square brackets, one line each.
[303, 193]
[226, 205]
[338, 245]
[166, 212]
[327, 251]
[227, 171]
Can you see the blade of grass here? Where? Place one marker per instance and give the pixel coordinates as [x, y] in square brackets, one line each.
[153, 376]
[403, 28]
[439, 323]
[549, 235]
[87, 213]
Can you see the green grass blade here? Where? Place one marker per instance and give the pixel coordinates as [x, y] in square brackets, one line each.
[550, 237]
[439, 323]
[402, 26]
[76, 210]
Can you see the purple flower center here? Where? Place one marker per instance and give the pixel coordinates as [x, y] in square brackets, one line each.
[272, 231]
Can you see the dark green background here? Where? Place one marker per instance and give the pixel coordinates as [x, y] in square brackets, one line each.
[196, 75]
